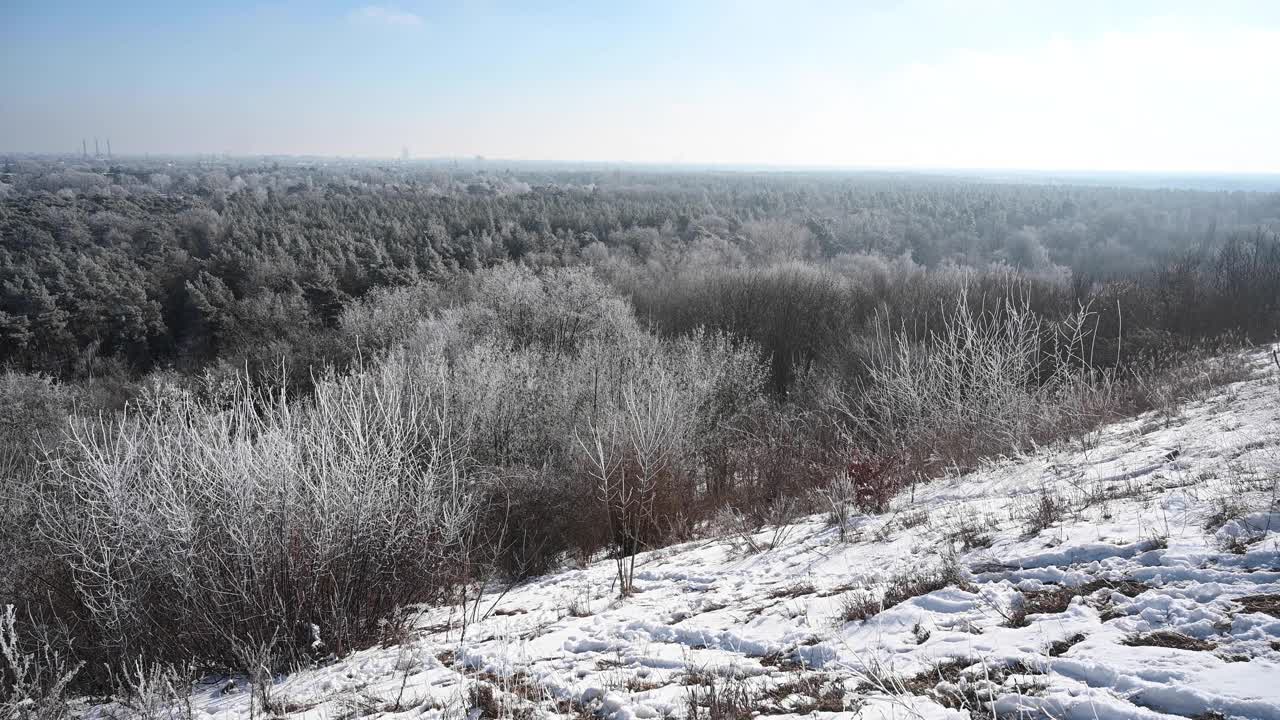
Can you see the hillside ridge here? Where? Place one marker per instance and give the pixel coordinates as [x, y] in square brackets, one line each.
[1130, 573]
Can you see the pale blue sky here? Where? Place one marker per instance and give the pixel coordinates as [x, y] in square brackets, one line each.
[1114, 85]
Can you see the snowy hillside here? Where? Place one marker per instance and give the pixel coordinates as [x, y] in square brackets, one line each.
[1132, 574]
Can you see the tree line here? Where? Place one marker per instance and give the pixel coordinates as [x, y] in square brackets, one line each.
[130, 267]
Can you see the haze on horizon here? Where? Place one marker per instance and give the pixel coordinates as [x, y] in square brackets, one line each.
[1135, 86]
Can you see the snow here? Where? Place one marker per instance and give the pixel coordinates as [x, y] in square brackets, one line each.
[1168, 523]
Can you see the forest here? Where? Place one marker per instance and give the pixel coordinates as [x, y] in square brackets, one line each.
[128, 268]
[250, 410]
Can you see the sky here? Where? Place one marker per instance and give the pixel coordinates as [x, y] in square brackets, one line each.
[1114, 85]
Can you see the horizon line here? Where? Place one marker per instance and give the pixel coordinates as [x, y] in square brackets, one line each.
[743, 166]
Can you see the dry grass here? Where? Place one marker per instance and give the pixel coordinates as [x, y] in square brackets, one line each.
[862, 603]
[1058, 647]
[970, 685]
[806, 694]
[1059, 598]
[722, 698]
[1268, 604]
[793, 591]
[969, 534]
[1049, 508]
[1170, 639]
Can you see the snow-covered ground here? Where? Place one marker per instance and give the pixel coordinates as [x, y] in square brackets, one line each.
[1132, 574]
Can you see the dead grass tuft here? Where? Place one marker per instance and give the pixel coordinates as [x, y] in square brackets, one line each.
[1048, 509]
[1058, 599]
[1267, 604]
[721, 698]
[806, 694]
[971, 685]
[1169, 639]
[863, 603]
[1058, 647]
[793, 591]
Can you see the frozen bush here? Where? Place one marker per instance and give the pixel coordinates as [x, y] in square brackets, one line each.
[640, 438]
[33, 680]
[385, 316]
[189, 531]
[989, 381]
[555, 310]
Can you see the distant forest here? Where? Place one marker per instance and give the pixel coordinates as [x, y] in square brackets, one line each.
[137, 265]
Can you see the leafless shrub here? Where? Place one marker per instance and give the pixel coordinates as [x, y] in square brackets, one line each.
[33, 681]
[580, 606]
[867, 483]
[193, 531]
[991, 380]
[872, 479]
[504, 697]
[1047, 509]
[155, 692]
[969, 534]
[1224, 509]
[1193, 374]
[532, 519]
[744, 530]
[776, 451]
[1275, 357]
[484, 700]
[633, 454]
[912, 519]
[795, 313]
[353, 706]
[718, 697]
[1016, 615]
[258, 660]
[636, 443]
